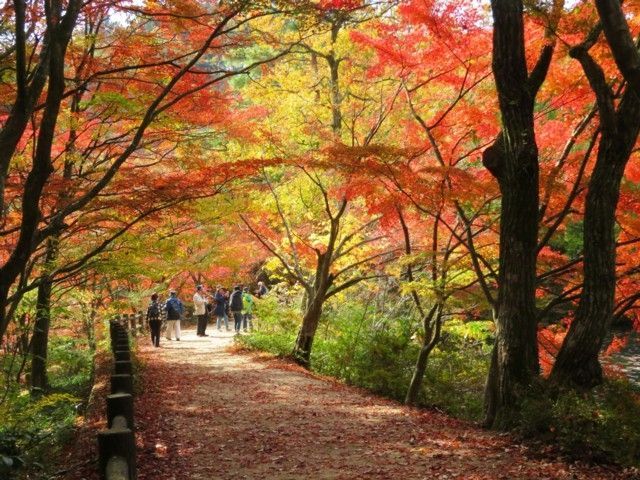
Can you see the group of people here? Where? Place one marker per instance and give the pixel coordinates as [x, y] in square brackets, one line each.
[237, 304]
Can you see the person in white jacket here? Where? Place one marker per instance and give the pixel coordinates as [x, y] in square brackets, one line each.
[200, 310]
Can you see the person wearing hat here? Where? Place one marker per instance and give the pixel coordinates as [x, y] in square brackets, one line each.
[174, 309]
[200, 310]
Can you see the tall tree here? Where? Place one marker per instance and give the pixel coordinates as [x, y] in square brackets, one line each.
[578, 363]
[513, 161]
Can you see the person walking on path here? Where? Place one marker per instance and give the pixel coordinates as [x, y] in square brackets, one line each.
[247, 315]
[200, 310]
[220, 308]
[153, 317]
[174, 309]
[236, 305]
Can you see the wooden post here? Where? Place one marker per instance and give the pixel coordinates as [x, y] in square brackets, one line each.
[120, 404]
[122, 355]
[123, 367]
[117, 454]
[122, 383]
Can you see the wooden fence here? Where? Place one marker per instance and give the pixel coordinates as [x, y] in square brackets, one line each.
[134, 322]
[117, 444]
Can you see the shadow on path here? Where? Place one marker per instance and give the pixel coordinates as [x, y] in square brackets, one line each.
[204, 414]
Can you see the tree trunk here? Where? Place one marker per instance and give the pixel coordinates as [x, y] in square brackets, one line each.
[577, 363]
[26, 98]
[42, 166]
[336, 98]
[307, 332]
[431, 339]
[515, 360]
[40, 340]
[513, 160]
[334, 82]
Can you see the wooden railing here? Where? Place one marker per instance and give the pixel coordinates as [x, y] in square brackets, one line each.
[117, 445]
[134, 322]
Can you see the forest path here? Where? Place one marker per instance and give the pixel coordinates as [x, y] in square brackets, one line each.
[205, 413]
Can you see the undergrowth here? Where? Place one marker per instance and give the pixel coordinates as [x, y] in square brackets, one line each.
[601, 425]
[33, 429]
[379, 353]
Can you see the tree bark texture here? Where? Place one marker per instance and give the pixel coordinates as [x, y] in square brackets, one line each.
[306, 335]
[513, 160]
[577, 363]
[40, 339]
[432, 323]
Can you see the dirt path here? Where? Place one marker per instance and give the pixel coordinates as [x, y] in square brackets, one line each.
[205, 413]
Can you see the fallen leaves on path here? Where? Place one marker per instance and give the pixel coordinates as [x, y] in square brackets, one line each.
[205, 413]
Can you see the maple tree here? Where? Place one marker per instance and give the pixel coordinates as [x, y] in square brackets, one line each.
[325, 249]
[578, 359]
[101, 78]
[483, 161]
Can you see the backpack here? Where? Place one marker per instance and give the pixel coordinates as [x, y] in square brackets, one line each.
[236, 301]
[153, 312]
[172, 311]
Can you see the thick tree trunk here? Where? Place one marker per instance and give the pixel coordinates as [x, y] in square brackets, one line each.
[515, 357]
[577, 363]
[513, 160]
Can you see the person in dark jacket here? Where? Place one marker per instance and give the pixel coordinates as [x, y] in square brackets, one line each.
[174, 309]
[220, 310]
[262, 290]
[236, 305]
[153, 317]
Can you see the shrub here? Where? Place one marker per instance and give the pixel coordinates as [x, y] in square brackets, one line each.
[602, 425]
[378, 352]
[378, 356]
[70, 365]
[27, 425]
[275, 327]
[32, 429]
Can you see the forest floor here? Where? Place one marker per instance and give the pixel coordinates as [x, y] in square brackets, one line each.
[208, 412]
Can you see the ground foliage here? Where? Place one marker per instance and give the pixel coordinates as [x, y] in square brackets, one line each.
[203, 413]
[34, 430]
